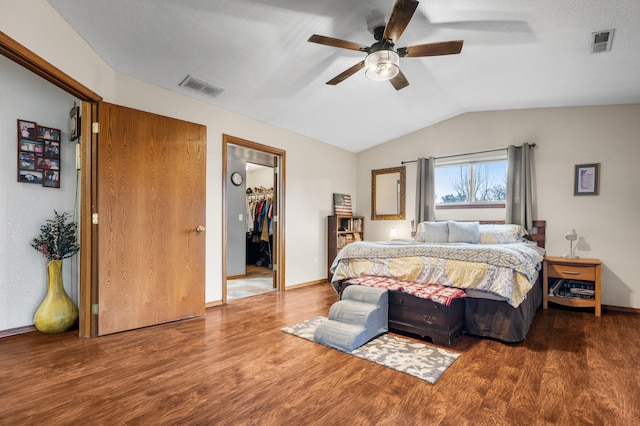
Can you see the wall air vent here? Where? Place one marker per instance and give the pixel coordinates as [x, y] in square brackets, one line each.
[201, 86]
[601, 41]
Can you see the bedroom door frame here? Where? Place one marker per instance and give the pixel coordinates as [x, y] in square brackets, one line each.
[88, 258]
[19, 54]
[277, 251]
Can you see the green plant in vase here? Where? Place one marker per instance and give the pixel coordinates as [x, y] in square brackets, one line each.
[57, 241]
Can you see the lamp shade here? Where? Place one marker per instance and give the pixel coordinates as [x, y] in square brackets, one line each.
[393, 234]
[571, 235]
[382, 65]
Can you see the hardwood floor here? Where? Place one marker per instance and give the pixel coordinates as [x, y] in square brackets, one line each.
[258, 271]
[235, 367]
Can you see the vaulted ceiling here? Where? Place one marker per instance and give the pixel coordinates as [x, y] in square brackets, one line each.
[516, 54]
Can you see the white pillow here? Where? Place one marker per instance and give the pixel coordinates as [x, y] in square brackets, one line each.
[433, 232]
[464, 232]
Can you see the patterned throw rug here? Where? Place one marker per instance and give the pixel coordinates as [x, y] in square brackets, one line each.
[416, 359]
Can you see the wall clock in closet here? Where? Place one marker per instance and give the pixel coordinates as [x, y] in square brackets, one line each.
[236, 178]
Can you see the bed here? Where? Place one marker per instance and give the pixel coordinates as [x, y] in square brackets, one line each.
[497, 265]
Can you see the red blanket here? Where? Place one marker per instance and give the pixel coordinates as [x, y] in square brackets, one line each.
[435, 292]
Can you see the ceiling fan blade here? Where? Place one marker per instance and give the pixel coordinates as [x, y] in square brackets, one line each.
[399, 81]
[402, 13]
[452, 47]
[346, 74]
[336, 42]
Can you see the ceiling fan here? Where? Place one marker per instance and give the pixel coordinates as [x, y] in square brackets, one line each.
[382, 58]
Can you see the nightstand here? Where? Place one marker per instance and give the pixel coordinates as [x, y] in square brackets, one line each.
[571, 277]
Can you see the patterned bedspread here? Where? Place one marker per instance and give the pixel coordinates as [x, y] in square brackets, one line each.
[508, 270]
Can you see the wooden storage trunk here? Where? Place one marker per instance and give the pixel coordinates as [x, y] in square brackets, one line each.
[426, 318]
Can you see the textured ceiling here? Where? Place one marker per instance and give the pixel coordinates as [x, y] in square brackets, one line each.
[516, 54]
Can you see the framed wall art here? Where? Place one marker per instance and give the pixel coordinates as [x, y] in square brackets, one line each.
[587, 179]
[26, 129]
[47, 133]
[51, 179]
[342, 205]
[38, 154]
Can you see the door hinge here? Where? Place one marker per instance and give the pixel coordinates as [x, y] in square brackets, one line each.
[94, 309]
[94, 218]
[275, 218]
[275, 266]
[95, 127]
[276, 170]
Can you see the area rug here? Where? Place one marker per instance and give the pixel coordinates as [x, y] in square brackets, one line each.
[414, 358]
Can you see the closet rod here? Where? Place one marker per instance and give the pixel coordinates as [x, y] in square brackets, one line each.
[260, 194]
[531, 145]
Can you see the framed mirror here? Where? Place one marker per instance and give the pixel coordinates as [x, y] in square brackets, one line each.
[388, 194]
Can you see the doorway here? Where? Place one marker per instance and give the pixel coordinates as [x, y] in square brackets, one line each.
[253, 223]
[32, 62]
[89, 176]
[257, 276]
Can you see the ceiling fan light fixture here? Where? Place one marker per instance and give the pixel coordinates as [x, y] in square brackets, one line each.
[382, 65]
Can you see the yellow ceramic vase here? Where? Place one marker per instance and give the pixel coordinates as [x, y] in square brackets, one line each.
[57, 313]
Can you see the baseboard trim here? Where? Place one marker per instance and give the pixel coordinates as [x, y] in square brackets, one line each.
[307, 284]
[213, 304]
[236, 277]
[17, 330]
[620, 309]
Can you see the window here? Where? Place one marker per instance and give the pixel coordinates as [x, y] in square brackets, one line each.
[471, 182]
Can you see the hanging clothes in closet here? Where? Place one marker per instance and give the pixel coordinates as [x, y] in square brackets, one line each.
[259, 223]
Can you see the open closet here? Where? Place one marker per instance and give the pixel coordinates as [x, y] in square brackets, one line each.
[259, 235]
[250, 222]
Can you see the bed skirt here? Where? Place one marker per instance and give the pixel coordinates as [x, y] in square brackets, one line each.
[499, 320]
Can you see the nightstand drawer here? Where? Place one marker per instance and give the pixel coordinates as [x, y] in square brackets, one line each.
[574, 272]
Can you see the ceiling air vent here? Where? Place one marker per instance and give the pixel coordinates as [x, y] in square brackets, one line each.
[601, 41]
[201, 86]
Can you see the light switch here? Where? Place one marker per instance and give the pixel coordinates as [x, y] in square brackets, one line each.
[240, 218]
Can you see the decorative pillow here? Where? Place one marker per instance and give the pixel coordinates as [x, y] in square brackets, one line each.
[433, 232]
[501, 234]
[464, 232]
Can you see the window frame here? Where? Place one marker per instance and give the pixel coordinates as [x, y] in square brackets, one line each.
[472, 160]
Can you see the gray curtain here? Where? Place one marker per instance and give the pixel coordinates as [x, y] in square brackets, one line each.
[521, 201]
[425, 191]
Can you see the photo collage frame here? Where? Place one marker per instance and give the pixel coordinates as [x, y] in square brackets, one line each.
[38, 154]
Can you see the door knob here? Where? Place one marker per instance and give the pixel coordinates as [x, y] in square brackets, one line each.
[200, 229]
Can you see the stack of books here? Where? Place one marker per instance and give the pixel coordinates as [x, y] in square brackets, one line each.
[572, 288]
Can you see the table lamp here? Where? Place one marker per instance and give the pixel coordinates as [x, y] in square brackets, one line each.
[571, 236]
[393, 234]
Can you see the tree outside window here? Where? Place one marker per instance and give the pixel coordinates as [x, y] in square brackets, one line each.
[469, 183]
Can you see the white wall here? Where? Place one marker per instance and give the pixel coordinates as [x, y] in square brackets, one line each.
[607, 224]
[260, 177]
[25, 207]
[310, 182]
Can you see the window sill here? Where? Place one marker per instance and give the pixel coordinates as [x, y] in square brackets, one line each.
[471, 206]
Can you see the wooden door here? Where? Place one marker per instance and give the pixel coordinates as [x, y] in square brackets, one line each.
[150, 202]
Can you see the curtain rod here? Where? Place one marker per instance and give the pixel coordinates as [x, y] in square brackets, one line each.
[531, 145]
